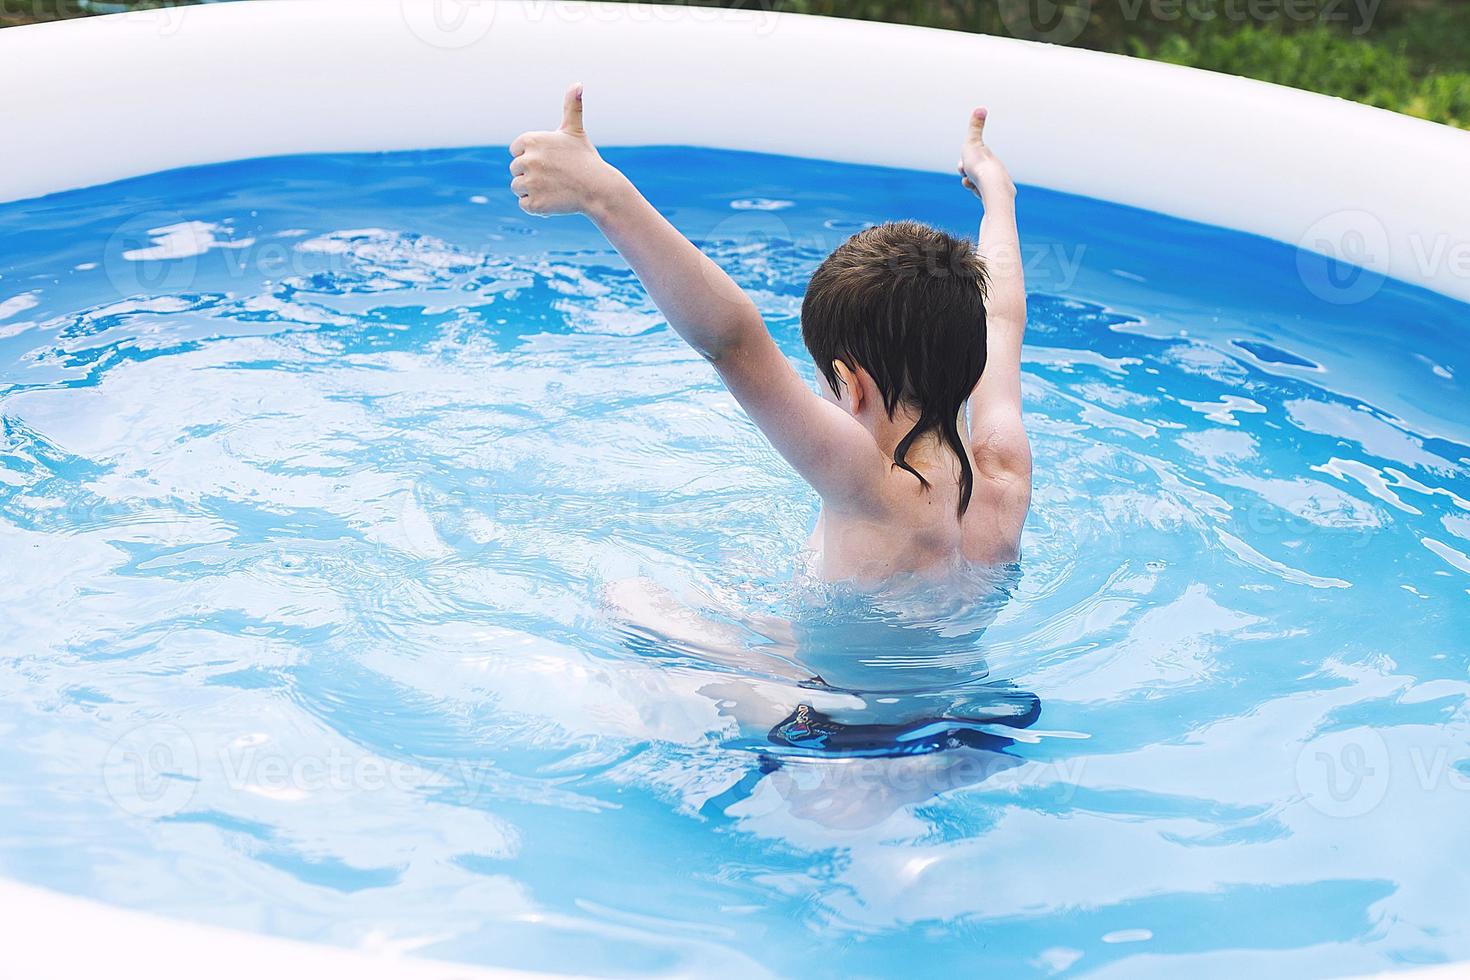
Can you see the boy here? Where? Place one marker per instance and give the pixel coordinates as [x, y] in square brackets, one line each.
[906, 325]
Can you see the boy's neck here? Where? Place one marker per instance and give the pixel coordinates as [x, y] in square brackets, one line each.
[888, 433]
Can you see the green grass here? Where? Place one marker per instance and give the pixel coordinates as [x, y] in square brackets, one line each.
[1411, 56]
[1323, 61]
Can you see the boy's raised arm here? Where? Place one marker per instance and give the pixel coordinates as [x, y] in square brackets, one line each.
[561, 172]
[997, 434]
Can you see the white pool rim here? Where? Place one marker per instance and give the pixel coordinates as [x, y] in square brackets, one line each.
[113, 97]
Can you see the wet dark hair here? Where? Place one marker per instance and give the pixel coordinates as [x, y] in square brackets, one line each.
[906, 303]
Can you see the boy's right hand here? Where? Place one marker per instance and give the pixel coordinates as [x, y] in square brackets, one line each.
[561, 172]
[980, 170]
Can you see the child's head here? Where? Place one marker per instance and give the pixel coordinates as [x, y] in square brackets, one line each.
[904, 304]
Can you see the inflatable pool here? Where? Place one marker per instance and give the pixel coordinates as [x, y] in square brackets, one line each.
[320, 461]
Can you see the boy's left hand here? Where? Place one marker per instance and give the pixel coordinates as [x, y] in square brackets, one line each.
[560, 172]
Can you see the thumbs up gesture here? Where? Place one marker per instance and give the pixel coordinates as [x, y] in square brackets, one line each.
[560, 172]
[980, 170]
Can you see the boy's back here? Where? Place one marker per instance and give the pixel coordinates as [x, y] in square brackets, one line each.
[905, 335]
[913, 530]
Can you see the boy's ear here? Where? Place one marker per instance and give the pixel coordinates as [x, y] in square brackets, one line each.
[851, 392]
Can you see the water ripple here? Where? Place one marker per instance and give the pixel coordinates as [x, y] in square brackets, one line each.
[379, 564]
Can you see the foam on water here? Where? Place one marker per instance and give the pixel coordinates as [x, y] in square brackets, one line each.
[326, 485]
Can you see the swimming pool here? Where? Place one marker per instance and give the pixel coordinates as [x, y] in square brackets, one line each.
[326, 630]
[318, 471]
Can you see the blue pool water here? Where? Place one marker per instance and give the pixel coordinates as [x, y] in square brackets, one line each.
[327, 485]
